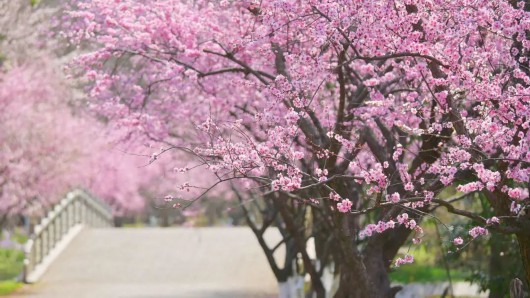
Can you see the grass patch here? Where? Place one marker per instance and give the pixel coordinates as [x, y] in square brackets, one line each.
[11, 263]
[417, 272]
[134, 225]
[8, 287]
[20, 238]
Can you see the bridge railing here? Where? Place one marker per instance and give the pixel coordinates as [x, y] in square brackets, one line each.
[73, 212]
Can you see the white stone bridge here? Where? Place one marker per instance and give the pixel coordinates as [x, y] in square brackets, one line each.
[92, 262]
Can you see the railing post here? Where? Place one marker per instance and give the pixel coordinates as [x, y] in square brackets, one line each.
[28, 257]
[36, 251]
[85, 211]
[79, 211]
[60, 227]
[51, 236]
[74, 212]
[45, 241]
[93, 216]
[41, 249]
[88, 214]
[58, 224]
[33, 256]
[56, 232]
[71, 215]
[66, 219]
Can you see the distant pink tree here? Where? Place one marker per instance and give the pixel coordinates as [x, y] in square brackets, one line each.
[351, 107]
[34, 139]
[48, 143]
[47, 147]
[123, 179]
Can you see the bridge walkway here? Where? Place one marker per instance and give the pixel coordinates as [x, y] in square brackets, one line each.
[158, 263]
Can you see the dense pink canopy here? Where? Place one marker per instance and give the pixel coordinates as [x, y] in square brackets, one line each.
[48, 148]
[440, 86]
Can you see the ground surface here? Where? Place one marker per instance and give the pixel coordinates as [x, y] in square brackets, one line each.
[158, 263]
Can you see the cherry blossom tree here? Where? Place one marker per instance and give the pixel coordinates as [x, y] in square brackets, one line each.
[29, 164]
[48, 145]
[360, 109]
[47, 148]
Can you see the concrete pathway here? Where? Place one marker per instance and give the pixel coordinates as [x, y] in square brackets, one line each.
[158, 263]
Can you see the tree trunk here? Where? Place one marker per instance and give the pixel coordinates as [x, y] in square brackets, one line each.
[378, 271]
[499, 278]
[347, 287]
[354, 279]
[300, 243]
[164, 214]
[524, 246]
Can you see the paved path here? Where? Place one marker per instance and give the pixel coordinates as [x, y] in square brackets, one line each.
[158, 263]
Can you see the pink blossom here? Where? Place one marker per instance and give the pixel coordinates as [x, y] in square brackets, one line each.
[344, 206]
[394, 198]
[492, 220]
[401, 261]
[470, 187]
[334, 196]
[478, 231]
[411, 224]
[402, 218]
[515, 193]
[458, 241]
[397, 153]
